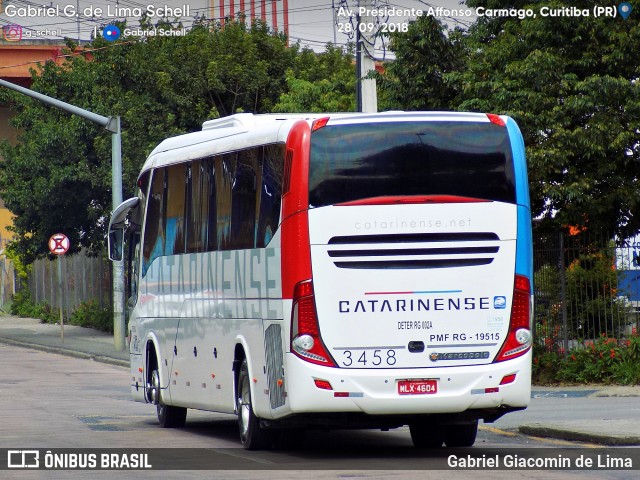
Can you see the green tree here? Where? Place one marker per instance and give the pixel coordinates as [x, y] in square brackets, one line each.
[246, 66]
[418, 77]
[320, 82]
[57, 177]
[594, 306]
[572, 85]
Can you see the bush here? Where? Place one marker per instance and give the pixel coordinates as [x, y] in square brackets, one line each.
[23, 306]
[87, 314]
[91, 314]
[592, 363]
[605, 360]
[545, 366]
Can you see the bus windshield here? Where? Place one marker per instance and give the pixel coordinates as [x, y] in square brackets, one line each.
[358, 161]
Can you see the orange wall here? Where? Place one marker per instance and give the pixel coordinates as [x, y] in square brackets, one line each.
[7, 132]
[17, 59]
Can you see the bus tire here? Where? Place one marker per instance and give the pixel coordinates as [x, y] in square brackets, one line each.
[168, 415]
[427, 434]
[461, 435]
[252, 435]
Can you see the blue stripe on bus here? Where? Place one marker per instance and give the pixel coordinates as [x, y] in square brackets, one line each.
[524, 244]
[519, 163]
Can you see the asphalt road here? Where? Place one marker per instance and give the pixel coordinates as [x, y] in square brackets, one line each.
[52, 402]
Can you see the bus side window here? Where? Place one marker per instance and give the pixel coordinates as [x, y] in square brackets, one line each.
[197, 208]
[212, 213]
[154, 241]
[175, 209]
[243, 203]
[270, 194]
[135, 242]
[131, 273]
[224, 184]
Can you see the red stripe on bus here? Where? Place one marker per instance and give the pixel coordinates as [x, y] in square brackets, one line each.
[296, 250]
[408, 199]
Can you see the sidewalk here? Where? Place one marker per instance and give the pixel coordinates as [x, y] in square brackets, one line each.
[603, 415]
[610, 415]
[78, 342]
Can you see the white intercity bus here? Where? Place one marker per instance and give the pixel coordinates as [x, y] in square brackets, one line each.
[334, 271]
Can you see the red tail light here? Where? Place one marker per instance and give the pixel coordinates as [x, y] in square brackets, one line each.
[322, 384]
[493, 118]
[507, 379]
[306, 341]
[319, 123]
[518, 340]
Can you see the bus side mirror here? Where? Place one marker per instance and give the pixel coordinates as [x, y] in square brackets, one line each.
[115, 241]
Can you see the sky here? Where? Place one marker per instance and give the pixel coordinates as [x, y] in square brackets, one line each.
[311, 22]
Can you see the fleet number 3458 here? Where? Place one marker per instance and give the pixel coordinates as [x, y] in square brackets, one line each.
[362, 358]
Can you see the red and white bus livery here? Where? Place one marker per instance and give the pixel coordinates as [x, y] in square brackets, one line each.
[333, 270]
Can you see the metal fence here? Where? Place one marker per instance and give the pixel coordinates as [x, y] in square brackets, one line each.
[84, 278]
[585, 286]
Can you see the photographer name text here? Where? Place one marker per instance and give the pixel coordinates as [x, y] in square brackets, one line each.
[110, 11]
[600, 461]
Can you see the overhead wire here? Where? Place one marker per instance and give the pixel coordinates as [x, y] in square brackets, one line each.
[66, 55]
[90, 25]
[92, 22]
[450, 18]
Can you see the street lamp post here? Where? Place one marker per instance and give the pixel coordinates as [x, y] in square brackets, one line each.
[111, 124]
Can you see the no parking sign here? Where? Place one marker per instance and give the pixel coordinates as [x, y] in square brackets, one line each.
[59, 244]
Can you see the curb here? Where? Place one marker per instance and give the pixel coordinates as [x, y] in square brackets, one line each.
[67, 352]
[579, 436]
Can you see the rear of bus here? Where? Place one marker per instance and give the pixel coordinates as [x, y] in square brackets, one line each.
[406, 257]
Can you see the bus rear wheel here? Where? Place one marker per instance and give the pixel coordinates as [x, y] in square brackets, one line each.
[252, 435]
[168, 415]
[461, 435]
[427, 434]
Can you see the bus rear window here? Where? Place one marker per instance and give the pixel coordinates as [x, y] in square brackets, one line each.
[354, 162]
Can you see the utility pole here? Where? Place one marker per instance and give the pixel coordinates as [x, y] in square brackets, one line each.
[111, 124]
[366, 29]
[78, 19]
[358, 61]
[335, 21]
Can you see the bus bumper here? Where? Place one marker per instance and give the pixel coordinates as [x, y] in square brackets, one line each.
[376, 391]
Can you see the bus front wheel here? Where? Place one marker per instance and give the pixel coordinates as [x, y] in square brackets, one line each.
[252, 435]
[168, 415]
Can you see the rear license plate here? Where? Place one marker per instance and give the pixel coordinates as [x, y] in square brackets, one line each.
[417, 387]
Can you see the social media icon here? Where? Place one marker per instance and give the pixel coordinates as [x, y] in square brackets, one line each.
[12, 32]
[111, 33]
